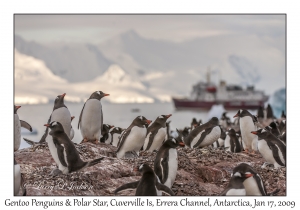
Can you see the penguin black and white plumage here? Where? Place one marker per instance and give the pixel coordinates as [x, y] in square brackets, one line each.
[148, 185]
[72, 133]
[194, 123]
[91, 118]
[247, 124]
[168, 135]
[235, 186]
[62, 115]
[166, 161]
[220, 142]
[252, 180]
[115, 133]
[185, 132]
[260, 115]
[235, 146]
[273, 129]
[17, 178]
[239, 136]
[225, 122]
[106, 138]
[67, 154]
[271, 148]
[156, 133]
[204, 135]
[282, 127]
[17, 128]
[132, 139]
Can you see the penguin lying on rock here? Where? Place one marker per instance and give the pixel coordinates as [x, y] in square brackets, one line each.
[66, 152]
[148, 185]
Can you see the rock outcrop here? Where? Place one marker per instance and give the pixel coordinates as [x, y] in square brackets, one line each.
[201, 172]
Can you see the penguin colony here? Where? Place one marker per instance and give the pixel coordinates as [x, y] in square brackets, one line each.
[260, 134]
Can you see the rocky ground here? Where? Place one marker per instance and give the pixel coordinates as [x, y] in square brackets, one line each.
[201, 172]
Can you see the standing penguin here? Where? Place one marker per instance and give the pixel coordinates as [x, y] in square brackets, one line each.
[17, 128]
[148, 185]
[166, 161]
[132, 139]
[235, 146]
[247, 124]
[271, 148]
[67, 154]
[204, 135]
[156, 133]
[62, 115]
[91, 118]
[273, 128]
[251, 180]
[235, 186]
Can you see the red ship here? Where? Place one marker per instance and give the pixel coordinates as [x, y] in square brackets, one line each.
[205, 95]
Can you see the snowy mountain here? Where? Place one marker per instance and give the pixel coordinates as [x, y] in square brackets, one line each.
[35, 83]
[278, 102]
[71, 61]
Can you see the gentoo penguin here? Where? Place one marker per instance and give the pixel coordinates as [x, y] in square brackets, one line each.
[166, 161]
[17, 129]
[132, 139]
[194, 124]
[282, 127]
[115, 133]
[225, 121]
[221, 140]
[17, 178]
[273, 129]
[247, 124]
[156, 133]
[168, 135]
[72, 130]
[271, 148]
[204, 135]
[91, 118]
[67, 154]
[185, 132]
[106, 138]
[238, 134]
[235, 146]
[148, 185]
[251, 179]
[235, 186]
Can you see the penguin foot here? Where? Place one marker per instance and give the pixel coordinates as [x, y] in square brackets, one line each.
[55, 172]
[84, 140]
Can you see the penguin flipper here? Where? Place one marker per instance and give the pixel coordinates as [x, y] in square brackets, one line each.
[131, 185]
[159, 166]
[260, 184]
[123, 138]
[203, 135]
[276, 156]
[26, 125]
[151, 138]
[30, 142]
[81, 116]
[43, 139]
[164, 188]
[60, 153]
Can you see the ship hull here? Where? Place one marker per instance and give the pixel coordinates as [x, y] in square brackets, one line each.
[190, 104]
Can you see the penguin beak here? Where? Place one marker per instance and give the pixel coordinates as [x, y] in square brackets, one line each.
[181, 144]
[254, 132]
[72, 118]
[63, 95]
[249, 175]
[105, 94]
[148, 121]
[47, 125]
[169, 116]
[18, 107]
[112, 126]
[237, 115]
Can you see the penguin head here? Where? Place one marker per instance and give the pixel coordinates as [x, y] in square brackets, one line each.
[244, 171]
[141, 121]
[16, 109]
[98, 95]
[55, 127]
[232, 132]
[59, 101]
[162, 118]
[194, 123]
[180, 137]
[143, 168]
[261, 133]
[214, 121]
[174, 142]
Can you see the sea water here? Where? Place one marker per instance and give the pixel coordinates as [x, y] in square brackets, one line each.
[119, 115]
